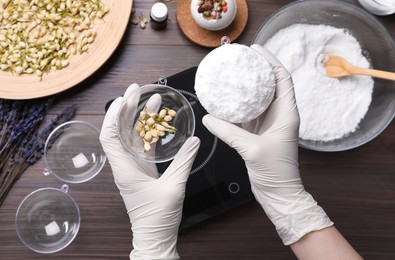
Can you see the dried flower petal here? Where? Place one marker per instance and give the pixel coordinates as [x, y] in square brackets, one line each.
[34, 33]
[152, 126]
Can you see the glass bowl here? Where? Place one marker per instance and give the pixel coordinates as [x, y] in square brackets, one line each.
[167, 146]
[47, 220]
[377, 45]
[73, 152]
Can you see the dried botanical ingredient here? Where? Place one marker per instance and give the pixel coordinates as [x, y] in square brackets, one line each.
[152, 126]
[212, 9]
[21, 139]
[141, 20]
[39, 36]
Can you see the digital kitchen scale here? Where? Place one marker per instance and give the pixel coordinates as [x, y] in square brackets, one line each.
[218, 180]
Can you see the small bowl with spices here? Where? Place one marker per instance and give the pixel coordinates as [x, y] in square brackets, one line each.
[154, 121]
[213, 15]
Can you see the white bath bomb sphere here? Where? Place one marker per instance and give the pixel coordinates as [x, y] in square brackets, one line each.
[218, 19]
[235, 83]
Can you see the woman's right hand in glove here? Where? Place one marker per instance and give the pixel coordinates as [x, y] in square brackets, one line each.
[269, 147]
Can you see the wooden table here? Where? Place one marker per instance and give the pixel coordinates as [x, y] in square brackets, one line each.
[356, 188]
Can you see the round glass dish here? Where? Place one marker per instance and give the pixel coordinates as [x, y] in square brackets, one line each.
[167, 146]
[73, 152]
[47, 220]
[377, 45]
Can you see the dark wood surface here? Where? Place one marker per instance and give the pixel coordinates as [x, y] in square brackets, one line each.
[356, 188]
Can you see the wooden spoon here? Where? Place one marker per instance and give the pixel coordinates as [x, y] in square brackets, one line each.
[337, 67]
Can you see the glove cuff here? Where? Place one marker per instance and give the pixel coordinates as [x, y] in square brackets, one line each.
[138, 256]
[307, 221]
[154, 251]
[294, 215]
[149, 244]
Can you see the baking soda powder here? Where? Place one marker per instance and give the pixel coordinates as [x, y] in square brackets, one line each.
[329, 108]
[379, 7]
[235, 83]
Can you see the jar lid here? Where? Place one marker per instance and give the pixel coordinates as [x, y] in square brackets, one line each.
[159, 12]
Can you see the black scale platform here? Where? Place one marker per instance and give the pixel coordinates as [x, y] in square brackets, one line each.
[218, 180]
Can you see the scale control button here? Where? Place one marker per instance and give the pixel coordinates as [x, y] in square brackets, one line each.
[234, 187]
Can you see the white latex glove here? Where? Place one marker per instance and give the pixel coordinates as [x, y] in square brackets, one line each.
[154, 203]
[269, 147]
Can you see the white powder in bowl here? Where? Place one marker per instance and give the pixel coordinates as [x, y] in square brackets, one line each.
[235, 83]
[329, 108]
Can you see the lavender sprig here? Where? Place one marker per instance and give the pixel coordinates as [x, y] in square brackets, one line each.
[35, 147]
[21, 145]
[22, 117]
[30, 119]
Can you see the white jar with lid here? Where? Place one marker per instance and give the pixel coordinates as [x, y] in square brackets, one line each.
[159, 15]
[379, 7]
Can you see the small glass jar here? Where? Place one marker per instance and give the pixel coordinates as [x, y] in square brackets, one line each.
[159, 14]
[379, 7]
